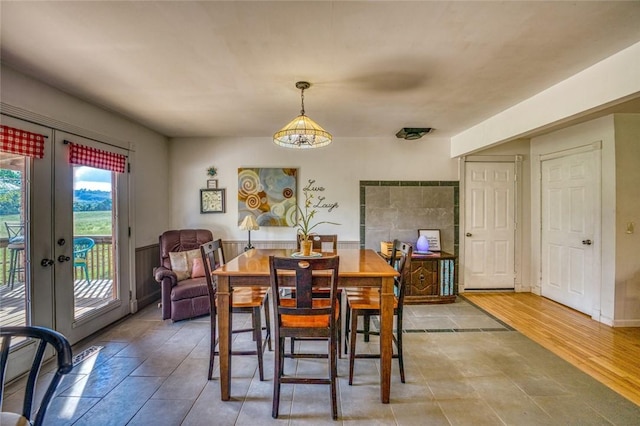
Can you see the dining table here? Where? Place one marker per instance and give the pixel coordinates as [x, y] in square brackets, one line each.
[358, 268]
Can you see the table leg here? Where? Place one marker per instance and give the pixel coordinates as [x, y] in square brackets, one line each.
[386, 329]
[225, 298]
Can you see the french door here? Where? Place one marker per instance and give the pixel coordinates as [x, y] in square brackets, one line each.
[67, 267]
[90, 241]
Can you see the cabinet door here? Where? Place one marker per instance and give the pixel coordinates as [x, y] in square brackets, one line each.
[423, 278]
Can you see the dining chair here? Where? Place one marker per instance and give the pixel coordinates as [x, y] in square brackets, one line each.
[81, 248]
[64, 364]
[327, 243]
[305, 316]
[245, 300]
[365, 302]
[15, 245]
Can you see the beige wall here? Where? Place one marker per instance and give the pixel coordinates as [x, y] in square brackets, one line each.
[627, 236]
[338, 168]
[44, 104]
[609, 82]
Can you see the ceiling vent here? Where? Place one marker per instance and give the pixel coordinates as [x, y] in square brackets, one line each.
[413, 133]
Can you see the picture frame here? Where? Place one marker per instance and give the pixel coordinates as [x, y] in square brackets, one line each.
[212, 200]
[212, 184]
[433, 236]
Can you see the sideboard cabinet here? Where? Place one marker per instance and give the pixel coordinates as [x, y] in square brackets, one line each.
[430, 278]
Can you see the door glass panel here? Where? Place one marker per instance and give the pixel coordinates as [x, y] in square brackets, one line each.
[13, 240]
[93, 239]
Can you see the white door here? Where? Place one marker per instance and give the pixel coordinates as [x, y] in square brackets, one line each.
[26, 284]
[567, 231]
[489, 226]
[90, 241]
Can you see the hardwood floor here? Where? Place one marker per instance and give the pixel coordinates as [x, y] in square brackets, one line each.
[610, 355]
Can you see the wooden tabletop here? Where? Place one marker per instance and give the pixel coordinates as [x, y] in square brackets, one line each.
[353, 263]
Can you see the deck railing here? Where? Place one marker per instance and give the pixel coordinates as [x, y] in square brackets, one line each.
[99, 259]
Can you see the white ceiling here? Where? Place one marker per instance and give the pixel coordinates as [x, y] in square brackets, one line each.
[210, 68]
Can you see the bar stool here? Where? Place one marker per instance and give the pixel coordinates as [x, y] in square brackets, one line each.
[15, 232]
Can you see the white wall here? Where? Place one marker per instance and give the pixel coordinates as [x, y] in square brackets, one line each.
[338, 167]
[150, 159]
[627, 281]
[602, 130]
[608, 82]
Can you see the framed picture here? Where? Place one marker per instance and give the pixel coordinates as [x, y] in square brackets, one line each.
[433, 236]
[212, 200]
[212, 183]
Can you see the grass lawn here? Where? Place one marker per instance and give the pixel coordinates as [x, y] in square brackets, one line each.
[85, 223]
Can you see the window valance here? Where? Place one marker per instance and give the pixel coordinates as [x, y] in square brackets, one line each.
[17, 141]
[93, 157]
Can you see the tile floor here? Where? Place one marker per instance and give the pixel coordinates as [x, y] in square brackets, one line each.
[463, 368]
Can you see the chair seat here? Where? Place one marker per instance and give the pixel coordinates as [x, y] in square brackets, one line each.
[15, 246]
[369, 299]
[309, 321]
[189, 288]
[13, 419]
[249, 297]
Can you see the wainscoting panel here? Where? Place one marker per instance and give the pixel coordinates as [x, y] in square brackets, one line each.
[147, 289]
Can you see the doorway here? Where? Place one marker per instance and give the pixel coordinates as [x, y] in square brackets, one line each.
[49, 279]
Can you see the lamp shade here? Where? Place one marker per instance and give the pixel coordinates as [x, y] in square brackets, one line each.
[302, 132]
[249, 223]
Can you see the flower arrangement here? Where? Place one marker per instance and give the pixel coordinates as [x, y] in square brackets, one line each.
[305, 218]
[212, 171]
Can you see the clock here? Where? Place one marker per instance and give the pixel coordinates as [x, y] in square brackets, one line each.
[212, 200]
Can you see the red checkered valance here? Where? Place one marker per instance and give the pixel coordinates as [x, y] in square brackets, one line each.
[94, 157]
[16, 141]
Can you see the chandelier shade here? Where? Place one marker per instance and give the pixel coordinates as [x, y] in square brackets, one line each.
[302, 132]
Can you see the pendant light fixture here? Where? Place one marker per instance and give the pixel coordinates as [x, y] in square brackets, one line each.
[302, 132]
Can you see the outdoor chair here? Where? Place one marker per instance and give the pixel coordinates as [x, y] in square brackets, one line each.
[81, 248]
[15, 245]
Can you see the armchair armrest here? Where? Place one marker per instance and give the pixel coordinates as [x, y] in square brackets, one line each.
[160, 273]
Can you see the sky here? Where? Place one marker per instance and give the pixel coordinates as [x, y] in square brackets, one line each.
[90, 178]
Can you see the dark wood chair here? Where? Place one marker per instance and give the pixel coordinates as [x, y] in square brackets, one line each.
[305, 316]
[325, 244]
[322, 243]
[245, 300]
[64, 364]
[365, 302]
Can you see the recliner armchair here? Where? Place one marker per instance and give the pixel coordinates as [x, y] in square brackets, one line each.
[186, 298]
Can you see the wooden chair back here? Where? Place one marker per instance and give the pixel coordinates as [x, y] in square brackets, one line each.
[400, 257]
[323, 243]
[314, 312]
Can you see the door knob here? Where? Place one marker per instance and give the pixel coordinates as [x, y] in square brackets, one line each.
[586, 242]
[46, 262]
[63, 258]
[469, 234]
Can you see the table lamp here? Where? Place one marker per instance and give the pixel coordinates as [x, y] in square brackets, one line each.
[249, 224]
